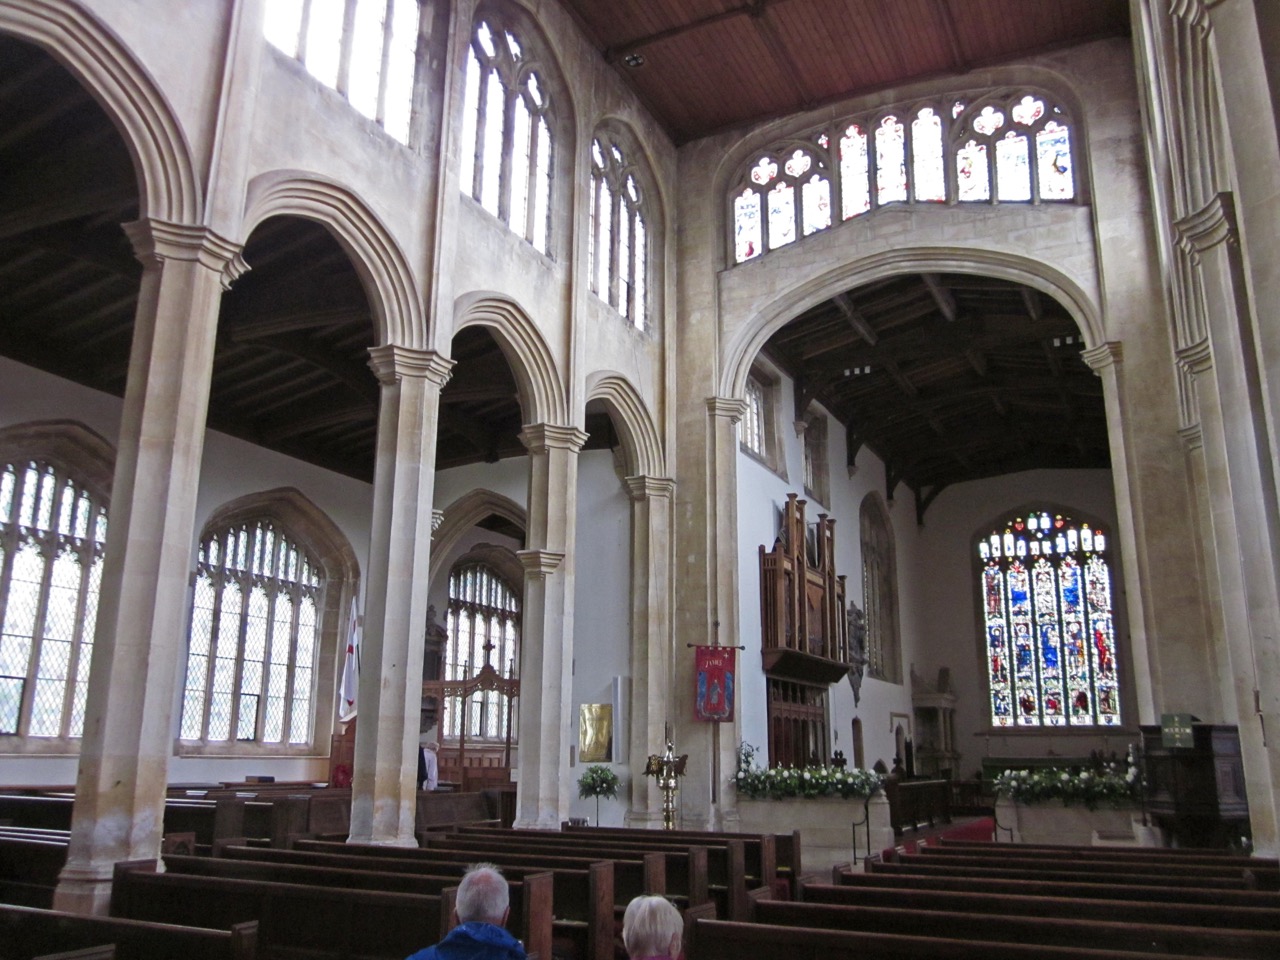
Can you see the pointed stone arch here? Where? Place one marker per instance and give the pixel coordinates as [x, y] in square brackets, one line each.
[463, 514]
[382, 266]
[542, 394]
[69, 445]
[749, 339]
[168, 185]
[640, 441]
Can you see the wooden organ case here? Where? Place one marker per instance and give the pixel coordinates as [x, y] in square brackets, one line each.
[804, 635]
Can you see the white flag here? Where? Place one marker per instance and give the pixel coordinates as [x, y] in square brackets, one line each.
[350, 669]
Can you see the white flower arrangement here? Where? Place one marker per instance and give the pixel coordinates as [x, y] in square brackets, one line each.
[778, 783]
[1112, 783]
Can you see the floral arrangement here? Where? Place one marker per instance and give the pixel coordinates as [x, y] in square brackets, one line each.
[777, 783]
[1112, 783]
[598, 781]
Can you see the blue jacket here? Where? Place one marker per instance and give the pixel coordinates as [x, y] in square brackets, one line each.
[474, 940]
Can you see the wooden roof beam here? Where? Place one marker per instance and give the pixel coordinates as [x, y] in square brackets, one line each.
[942, 296]
[857, 322]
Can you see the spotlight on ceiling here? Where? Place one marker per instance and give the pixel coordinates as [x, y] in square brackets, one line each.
[634, 60]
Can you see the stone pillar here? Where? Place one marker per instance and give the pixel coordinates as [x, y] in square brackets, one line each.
[384, 787]
[142, 622]
[651, 638]
[546, 631]
[706, 802]
[1240, 471]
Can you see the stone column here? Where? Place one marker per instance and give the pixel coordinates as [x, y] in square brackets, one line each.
[384, 788]
[142, 625]
[651, 638]
[546, 630]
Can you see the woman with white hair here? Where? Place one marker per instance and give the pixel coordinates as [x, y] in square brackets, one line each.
[652, 929]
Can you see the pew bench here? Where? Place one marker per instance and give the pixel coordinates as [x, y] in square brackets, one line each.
[916, 865]
[29, 932]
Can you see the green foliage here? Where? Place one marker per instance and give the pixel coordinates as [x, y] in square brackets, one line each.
[598, 781]
[778, 783]
[1115, 784]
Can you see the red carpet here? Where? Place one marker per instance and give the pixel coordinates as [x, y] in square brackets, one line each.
[978, 828]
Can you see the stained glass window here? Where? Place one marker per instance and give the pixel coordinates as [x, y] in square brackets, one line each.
[1053, 159]
[1013, 172]
[794, 193]
[1048, 624]
[854, 173]
[618, 246]
[369, 58]
[973, 175]
[52, 539]
[927, 160]
[880, 591]
[891, 161]
[505, 121]
[255, 629]
[484, 628]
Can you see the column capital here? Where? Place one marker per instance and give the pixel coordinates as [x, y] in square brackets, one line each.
[730, 408]
[391, 362]
[539, 564]
[541, 437]
[1194, 12]
[650, 488]
[1192, 436]
[1196, 358]
[159, 240]
[1107, 354]
[1211, 225]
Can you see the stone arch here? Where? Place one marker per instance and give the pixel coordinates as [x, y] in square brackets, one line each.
[542, 396]
[383, 269]
[168, 185]
[640, 441]
[463, 514]
[749, 339]
[69, 445]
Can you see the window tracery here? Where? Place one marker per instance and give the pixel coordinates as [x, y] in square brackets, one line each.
[507, 147]
[483, 623]
[880, 591]
[1048, 623]
[997, 147]
[618, 243]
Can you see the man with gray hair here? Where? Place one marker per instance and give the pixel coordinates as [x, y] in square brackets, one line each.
[481, 913]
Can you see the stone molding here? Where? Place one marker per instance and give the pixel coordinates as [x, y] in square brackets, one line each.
[650, 488]
[1210, 226]
[1196, 358]
[69, 445]
[1108, 354]
[391, 363]
[641, 442]
[160, 240]
[539, 564]
[539, 438]
[731, 409]
[1192, 436]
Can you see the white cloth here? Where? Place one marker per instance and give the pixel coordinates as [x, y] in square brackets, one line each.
[431, 764]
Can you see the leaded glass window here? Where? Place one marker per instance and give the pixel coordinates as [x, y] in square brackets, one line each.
[985, 149]
[617, 247]
[52, 539]
[507, 152]
[364, 49]
[484, 629]
[254, 638]
[752, 426]
[1048, 623]
[880, 591]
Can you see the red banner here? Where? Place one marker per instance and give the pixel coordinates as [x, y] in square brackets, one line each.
[716, 676]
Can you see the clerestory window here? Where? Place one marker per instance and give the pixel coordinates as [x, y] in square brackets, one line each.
[507, 148]
[364, 49]
[618, 246]
[1048, 624]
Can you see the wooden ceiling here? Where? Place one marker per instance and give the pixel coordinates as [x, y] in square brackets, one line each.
[705, 65]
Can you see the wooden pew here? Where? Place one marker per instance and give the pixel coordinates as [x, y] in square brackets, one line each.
[1051, 888]
[531, 894]
[916, 866]
[967, 901]
[728, 940]
[333, 923]
[1009, 926]
[29, 867]
[583, 898]
[29, 932]
[1195, 873]
[105, 952]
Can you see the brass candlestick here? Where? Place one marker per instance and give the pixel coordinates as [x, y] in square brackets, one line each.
[667, 769]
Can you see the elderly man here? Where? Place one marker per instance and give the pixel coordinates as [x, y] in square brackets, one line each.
[481, 912]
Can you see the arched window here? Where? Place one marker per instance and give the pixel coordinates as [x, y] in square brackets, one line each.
[1049, 631]
[507, 151]
[880, 591]
[271, 604]
[53, 532]
[364, 49]
[484, 628]
[995, 147]
[618, 247]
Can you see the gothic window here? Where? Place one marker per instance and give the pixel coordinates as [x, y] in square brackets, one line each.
[256, 619]
[364, 49]
[756, 430]
[484, 629]
[815, 457]
[1048, 624]
[507, 151]
[992, 148]
[618, 245]
[783, 196]
[880, 591]
[53, 531]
